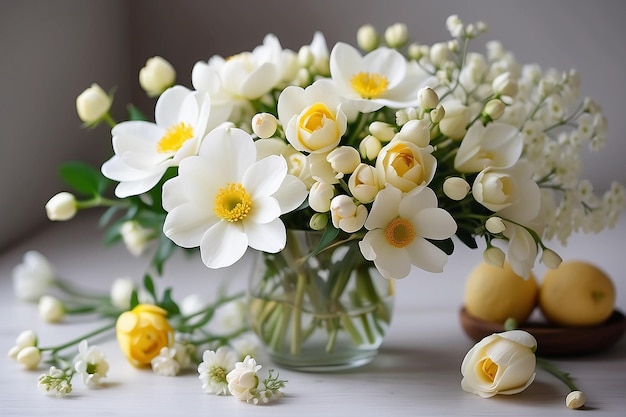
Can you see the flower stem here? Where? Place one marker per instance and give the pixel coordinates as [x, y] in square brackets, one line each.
[563, 376]
[72, 342]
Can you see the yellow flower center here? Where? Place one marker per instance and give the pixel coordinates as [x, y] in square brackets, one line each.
[232, 202]
[489, 369]
[175, 137]
[399, 232]
[369, 85]
[314, 117]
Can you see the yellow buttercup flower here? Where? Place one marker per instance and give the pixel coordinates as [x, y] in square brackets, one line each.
[142, 332]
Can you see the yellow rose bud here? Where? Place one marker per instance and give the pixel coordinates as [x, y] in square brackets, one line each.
[142, 332]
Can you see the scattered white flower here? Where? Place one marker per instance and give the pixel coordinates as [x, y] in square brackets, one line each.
[121, 293]
[33, 277]
[214, 368]
[243, 380]
[51, 309]
[93, 104]
[165, 363]
[575, 400]
[61, 206]
[156, 76]
[91, 364]
[29, 357]
[56, 381]
[136, 237]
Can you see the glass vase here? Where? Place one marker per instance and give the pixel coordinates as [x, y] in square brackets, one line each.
[325, 312]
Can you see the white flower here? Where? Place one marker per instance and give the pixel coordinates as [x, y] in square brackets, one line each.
[503, 363]
[405, 165]
[24, 339]
[91, 364]
[224, 200]
[51, 309]
[312, 118]
[135, 237]
[145, 150]
[243, 380]
[93, 104]
[455, 188]
[165, 363]
[428, 98]
[61, 206]
[344, 159]
[367, 38]
[363, 183]
[494, 256]
[455, 119]
[522, 248]
[399, 226]
[320, 196]
[346, 214]
[415, 131]
[264, 125]
[57, 381]
[497, 145]
[214, 368]
[495, 225]
[121, 293]
[29, 357]
[382, 77]
[575, 400]
[156, 76]
[396, 35]
[33, 277]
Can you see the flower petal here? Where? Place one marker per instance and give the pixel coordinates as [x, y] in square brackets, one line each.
[223, 245]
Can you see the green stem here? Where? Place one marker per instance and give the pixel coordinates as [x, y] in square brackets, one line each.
[296, 323]
[109, 120]
[72, 342]
[70, 289]
[563, 376]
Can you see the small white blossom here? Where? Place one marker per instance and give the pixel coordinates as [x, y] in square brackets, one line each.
[396, 35]
[93, 104]
[33, 277]
[367, 38]
[56, 381]
[61, 207]
[214, 368]
[243, 380]
[165, 363]
[51, 309]
[29, 357]
[575, 400]
[156, 76]
[135, 237]
[91, 364]
[121, 293]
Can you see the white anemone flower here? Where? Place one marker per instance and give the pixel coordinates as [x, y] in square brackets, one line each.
[382, 77]
[145, 150]
[399, 226]
[224, 200]
[91, 364]
[497, 145]
[213, 369]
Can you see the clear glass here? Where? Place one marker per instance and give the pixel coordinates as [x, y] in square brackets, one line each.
[319, 313]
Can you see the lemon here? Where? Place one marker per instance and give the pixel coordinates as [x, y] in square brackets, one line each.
[494, 294]
[577, 293]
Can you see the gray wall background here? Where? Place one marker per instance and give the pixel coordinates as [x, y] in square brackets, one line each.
[51, 50]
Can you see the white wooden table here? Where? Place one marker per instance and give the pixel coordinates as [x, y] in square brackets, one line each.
[416, 372]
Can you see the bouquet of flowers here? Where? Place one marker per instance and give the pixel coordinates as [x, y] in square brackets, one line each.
[394, 147]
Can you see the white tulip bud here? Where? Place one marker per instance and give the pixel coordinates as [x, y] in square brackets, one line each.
[264, 125]
[367, 38]
[456, 188]
[437, 114]
[415, 131]
[51, 309]
[344, 159]
[504, 85]
[575, 400]
[318, 221]
[29, 357]
[382, 131]
[428, 98]
[551, 259]
[93, 104]
[121, 293]
[369, 147]
[363, 183]
[495, 225]
[305, 56]
[494, 256]
[320, 195]
[494, 109]
[61, 207]
[454, 123]
[346, 215]
[396, 35]
[156, 76]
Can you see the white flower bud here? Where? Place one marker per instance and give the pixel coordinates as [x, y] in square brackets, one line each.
[382, 131]
[494, 256]
[93, 104]
[121, 292]
[61, 207]
[135, 237]
[369, 147]
[363, 183]
[551, 259]
[415, 131]
[318, 221]
[29, 357]
[495, 225]
[305, 56]
[504, 85]
[51, 309]
[415, 51]
[26, 338]
[437, 114]
[439, 54]
[455, 120]
[156, 76]
[494, 109]
[575, 400]
[396, 35]
[264, 125]
[344, 159]
[454, 25]
[428, 98]
[320, 195]
[346, 215]
[367, 38]
[456, 188]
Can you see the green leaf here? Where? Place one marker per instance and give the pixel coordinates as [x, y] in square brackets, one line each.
[134, 299]
[446, 245]
[467, 238]
[329, 235]
[83, 178]
[168, 303]
[135, 114]
[149, 286]
[164, 251]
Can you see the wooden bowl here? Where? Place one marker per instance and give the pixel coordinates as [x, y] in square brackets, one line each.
[555, 340]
